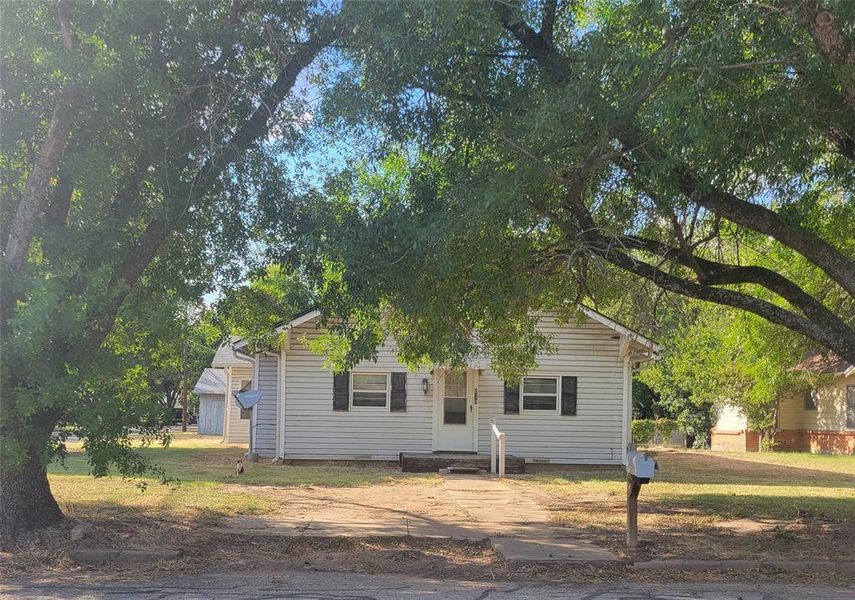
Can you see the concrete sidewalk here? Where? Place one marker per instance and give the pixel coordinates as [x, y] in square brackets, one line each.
[517, 525]
[472, 507]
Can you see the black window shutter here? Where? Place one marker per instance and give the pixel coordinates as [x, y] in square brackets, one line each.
[341, 391]
[568, 395]
[512, 398]
[399, 392]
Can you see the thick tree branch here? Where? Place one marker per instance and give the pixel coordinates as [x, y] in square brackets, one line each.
[35, 192]
[254, 128]
[827, 333]
[752, 216]
[711, 272]
[547, 21]
[829, 38]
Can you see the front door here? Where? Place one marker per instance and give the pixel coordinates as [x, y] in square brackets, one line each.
[455, 412]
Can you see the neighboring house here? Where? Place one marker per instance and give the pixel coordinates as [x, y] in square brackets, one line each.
[575, 407]
[238, 370]
[211, 389]
[820, 420]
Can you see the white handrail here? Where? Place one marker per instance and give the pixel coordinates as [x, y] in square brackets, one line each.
[497, 435]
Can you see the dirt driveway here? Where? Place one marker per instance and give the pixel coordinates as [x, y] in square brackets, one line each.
[460, 507]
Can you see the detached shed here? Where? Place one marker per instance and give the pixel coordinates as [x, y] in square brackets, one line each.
[211, 389]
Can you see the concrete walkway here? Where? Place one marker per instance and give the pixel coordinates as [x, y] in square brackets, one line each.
[474, 507]
[518, 526]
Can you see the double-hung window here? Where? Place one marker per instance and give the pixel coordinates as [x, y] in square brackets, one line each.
[540, 394]
[369, 390]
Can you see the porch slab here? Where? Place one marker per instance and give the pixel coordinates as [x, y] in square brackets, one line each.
[431, 462]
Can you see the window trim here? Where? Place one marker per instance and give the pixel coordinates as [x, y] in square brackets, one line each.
[388, 404]
[539, 411]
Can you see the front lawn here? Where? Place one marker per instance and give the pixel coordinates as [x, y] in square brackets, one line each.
[205, 482]
[722, 505]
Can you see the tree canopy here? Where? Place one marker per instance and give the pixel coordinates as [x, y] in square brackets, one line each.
[532, 155]
[142, 144]
[466, 165]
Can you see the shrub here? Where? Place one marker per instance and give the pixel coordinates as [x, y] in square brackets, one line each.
[665, 427]
[643, 430]
[647, 430]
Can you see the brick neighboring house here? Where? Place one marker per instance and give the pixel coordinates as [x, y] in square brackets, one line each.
[820, 420]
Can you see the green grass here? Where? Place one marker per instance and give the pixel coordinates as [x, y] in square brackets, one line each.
[804, 460]
[206, 487]
[718, 486]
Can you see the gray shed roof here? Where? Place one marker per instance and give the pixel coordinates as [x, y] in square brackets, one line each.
[225, 356]
[212, 381]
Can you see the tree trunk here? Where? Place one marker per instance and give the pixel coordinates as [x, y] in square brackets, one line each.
[26, 502]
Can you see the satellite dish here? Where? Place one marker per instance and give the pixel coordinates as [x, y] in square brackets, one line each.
[248, 399]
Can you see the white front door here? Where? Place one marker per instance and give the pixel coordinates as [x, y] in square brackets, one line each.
[455, 411]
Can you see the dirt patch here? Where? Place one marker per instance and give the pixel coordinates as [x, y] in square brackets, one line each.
[47, 560]
[419, 500]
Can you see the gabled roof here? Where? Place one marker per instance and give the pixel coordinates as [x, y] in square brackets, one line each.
[212, 381]
[621, 329]
[226, 356]
[825, 364]
[297, 320]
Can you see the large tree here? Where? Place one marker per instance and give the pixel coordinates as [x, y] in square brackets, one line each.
[535, 153]
[140, 141]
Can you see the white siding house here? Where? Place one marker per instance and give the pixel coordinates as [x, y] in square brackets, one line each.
[211, 390]
[238, 371]
[574, 408]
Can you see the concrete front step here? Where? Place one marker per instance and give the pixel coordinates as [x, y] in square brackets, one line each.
[431, 462]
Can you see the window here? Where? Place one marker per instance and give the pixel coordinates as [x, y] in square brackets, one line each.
[369, 390]
[245, 386]
[810, 400]
[539, 393]
[454, 399]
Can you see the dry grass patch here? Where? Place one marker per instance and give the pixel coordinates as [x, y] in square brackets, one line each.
[205, 488]
[807, 504]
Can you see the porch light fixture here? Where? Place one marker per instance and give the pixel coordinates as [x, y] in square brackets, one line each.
[425, 385]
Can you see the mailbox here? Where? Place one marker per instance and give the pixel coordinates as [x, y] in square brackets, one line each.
[639, 469]
[640, 465]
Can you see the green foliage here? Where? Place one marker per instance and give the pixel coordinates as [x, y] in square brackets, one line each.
[456, 220]
[254, 310]
[646, 431]
[644, 400]
[718, 355]
[158, 196]
[643, 430]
